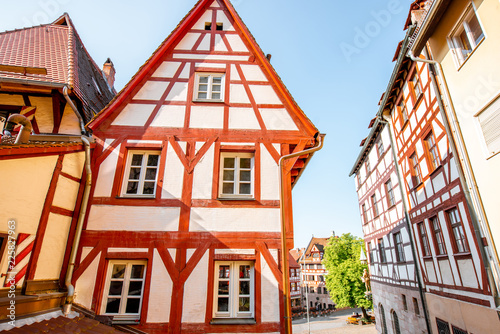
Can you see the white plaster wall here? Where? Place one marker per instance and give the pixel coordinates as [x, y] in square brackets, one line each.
[189, 40]
[243, 118]
[133, 218]
[219, 44]
[44, 114]
[269, 189]
[134, 114]
[446, 273]
[203, 174]
[226, 24]
[237, 94]
[173, 177]
[236, 43]
[195, 292]
[264, 94]
[178, 92]
[234, 74]
[234, 220]
[253, 73]
[205, 44]
[278, 119]
[53, 247]
[160, 293]
[269, 294]
[467, 273]
[105, 176]
[170, 116]
[206, 17]
[73, 164]
[152, 90]
[84, 287]
[66, 193]
[207, 117]
[69, 122]
[26, 195]
[167, 69]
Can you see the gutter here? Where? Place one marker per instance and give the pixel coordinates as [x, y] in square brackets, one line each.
[466, 174]
[284, 251]
[79, 228]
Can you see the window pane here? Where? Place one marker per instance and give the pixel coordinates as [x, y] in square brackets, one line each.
[245, 188]
[223, 304]
[137, 271]
[244, 287]
[115, 288]
[216, 96]
[245, 162]
[224, 288]
[227, 188]
[135, 173]
[229, 162]
[224, 272]
[149, 188]
[228, 175]
[203, 88]
[113, 305]
[153, 160]
[132, 187]
[245, 176]
[217, 80]
[118, 271]
[150, 174]
[244, 304]
[133, 305]
[202, 95]
[203, 79]
[244, 271]
[137, 160]
[135, 288]
[477, 32]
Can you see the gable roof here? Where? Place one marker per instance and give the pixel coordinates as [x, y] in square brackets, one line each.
[173, 39]
[53, 55]
[320, 244]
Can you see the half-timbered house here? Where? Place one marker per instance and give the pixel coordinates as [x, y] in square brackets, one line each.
[51, 82]
[183, 226]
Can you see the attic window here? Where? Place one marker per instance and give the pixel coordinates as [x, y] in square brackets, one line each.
[219, 26]
[208, 26]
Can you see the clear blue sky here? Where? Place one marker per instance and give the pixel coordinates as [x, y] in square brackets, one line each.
[335, 57]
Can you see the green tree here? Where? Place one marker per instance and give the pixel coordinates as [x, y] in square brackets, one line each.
[341, 259]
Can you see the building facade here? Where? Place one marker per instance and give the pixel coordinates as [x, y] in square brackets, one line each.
[183, 226]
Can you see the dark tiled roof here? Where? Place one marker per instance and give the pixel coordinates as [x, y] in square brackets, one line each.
[58, 49]
[63, 325]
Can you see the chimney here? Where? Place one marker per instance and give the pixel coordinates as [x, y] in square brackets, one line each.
[109, 71]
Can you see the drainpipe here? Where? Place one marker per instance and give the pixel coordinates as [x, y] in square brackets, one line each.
[465, 172]
[386, 120]
[72, 105]
[23, 135]
[284, 250]
[79, 227]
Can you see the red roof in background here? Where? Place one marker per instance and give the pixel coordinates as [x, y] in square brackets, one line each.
[57, 48]
[291, 262]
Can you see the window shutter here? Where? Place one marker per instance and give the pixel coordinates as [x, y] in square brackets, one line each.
[489, 120]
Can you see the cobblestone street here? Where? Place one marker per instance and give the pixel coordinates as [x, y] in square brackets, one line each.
[332, 324]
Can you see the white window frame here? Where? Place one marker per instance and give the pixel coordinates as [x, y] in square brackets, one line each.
[210, 85]
[237, 170]
[122, 315]
[141, 180]
[234, 279]
[461, 26]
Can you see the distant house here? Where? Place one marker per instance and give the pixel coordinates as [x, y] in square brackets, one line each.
[183, 228]
[46, 76]
[295, 273]
[313, 275]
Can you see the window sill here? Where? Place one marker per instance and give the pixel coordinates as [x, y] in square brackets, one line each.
[233, 321]
[438, 168]
[441, 256]
[419, 185]
[427, 258]
[208, 101]
[469, 56]
[247, 199]
[462, 255]
[417, 101]
[136, 197]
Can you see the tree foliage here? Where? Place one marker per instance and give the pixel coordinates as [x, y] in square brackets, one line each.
[343, 281]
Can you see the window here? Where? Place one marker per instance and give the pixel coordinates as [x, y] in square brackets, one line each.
[400, 251]
[374, 205]
[370, 252]
[488, 120]
[234, 289]
[438, 236]
[415, 80]
[415, 306]
[430, 143]
[466, 36]
[443, 327]
[381, 250]
[208, 25]
[457, 228]
[405, 304]
[457, 330]
[368, 167]
[365, 213]
[209, 87]
[315, 255]
[293, 286]
[141, 172]
[236, 175]
[395, 321]
[380, 147]
[424, 239]
[382, 314]
[402, 111]
[415, 170]
[124, 289]
[358, 177]
[311, 289]
[391, 200]
[320, 278]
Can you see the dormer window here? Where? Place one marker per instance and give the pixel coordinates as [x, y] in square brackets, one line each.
[208, 25]
[209, 87]
[219, 26]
